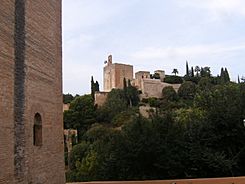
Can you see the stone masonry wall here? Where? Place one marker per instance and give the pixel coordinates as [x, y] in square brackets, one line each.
[100, 98]
[122, 71]
[44, 91]
[7, 91]
[114, 75]
[153, 87]
[30, 83]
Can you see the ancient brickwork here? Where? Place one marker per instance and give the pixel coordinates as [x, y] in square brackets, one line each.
[30, 84]
[7, 17]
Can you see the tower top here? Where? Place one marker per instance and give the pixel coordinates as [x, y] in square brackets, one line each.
[109, 59]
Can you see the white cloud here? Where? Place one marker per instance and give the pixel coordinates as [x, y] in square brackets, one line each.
[197, 51]
[78, 14]
[217, 9]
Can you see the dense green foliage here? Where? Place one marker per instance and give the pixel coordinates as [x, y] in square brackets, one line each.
[94, 87]
[67, 98]
[173, 79]
[197, 132]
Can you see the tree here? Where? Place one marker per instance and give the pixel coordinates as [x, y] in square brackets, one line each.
[94, 87]
[224, 76]
[132, 96]
[243, 79]
[205, 72]
[169, 94]
[97, 86]
[67, 98]
[227, 76]
[187, 90]
[175, 71]
[80, 115]
[187, 69]
[155, 76]
[116, 102]
[192, 72]
[197, 70]
[172, 79]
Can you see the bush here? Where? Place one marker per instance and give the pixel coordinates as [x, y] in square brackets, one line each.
[169, 94]
[172, 79]
[187, 90]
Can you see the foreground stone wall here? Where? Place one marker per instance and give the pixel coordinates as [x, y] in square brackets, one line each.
[30, 83]
[7, 91]
[235, 180]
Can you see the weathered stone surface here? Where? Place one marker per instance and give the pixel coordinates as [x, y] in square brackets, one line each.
[30, 83]
[100, 98]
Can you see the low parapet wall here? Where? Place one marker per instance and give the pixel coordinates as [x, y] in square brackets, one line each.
[234, 180]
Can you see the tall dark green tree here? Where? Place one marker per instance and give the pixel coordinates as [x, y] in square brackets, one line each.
[92, 87]
[97, 86]
[227, 76]
[187, 69]
[192, 72]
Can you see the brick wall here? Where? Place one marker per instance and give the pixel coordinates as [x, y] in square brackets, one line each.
[30, 83]
[6, 91]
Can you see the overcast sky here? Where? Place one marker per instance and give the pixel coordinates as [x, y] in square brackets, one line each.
[150, 35]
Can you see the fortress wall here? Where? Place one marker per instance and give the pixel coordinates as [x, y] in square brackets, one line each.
[43, 87]
[31, 82]
[114, 75]
[7, 91]
[122, 71]
[153, 87]
[100, 98]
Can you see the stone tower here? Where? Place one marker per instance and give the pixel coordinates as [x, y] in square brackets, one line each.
[31, 143]
[114, 74]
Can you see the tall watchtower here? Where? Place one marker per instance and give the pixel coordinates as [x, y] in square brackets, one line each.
[31, 143]
[114, 74]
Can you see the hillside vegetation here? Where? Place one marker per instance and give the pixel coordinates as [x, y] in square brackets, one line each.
[195, 133]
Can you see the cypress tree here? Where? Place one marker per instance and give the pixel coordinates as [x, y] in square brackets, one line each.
[222, 76]
[227, 76]
[124, 83]
[187, 69]
[92, 87]
[192, 71]
[97, 86]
